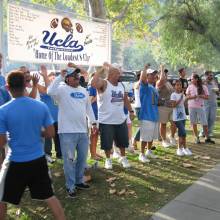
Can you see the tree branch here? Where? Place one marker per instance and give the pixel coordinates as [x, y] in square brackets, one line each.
[123, 12]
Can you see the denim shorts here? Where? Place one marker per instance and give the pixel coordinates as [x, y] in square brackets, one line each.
[117, 133]
[181, 128]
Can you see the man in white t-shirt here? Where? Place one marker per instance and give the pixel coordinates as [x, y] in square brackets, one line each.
[74, 108]
[111, 100]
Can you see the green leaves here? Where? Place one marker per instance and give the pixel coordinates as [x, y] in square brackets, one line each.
[190, 34]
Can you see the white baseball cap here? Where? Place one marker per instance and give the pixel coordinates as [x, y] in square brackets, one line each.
[149, 71]
[116, 66]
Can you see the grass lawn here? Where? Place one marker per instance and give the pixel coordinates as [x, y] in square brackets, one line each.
[147, 187]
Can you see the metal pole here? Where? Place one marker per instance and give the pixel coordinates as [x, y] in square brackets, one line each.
[1, 35]
[1, 26]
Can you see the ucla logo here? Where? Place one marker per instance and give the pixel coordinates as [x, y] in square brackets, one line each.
[117, 96]
[52, 42]
[77, 95]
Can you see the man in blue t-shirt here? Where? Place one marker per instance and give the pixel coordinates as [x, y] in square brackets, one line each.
[25, 164]
[149, 115]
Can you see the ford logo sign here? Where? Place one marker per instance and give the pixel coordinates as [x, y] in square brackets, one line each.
[77, 95]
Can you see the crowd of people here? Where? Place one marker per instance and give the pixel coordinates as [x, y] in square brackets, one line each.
[34, 111]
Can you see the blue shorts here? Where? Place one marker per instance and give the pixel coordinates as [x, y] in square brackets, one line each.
[181, 128]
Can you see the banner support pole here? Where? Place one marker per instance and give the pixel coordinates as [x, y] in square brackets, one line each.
[1, 26]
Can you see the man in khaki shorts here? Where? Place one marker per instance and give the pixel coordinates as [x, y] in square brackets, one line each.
[165, 109]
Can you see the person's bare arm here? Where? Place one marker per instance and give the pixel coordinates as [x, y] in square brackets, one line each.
[127, 104]
[48, 132]
[189, 97]
[97, 82]
[35, 80]
[206, 97]
[177, 102]
[43, 73]
[143, 74]
[162, 78]
[3, 140]
[92, 99]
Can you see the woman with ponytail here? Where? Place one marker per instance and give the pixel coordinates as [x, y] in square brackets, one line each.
[196, 94]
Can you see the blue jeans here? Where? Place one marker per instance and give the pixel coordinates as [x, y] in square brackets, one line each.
[74, 167]
[48, 143]
[211, 111]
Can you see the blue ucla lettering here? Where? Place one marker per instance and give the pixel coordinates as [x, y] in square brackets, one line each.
[68, 42]
[117, 95]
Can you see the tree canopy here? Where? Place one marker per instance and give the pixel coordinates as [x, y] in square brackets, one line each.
[189, 32]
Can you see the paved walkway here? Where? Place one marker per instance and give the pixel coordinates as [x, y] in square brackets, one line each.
[201, 201]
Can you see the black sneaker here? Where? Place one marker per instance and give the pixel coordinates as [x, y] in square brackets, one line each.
[209, 141]
[59, 157]
[82, 186]
[71, 194]
[153, 148]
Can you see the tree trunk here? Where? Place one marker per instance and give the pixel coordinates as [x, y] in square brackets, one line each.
[95, 8]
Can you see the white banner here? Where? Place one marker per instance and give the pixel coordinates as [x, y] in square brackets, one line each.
[37, 36]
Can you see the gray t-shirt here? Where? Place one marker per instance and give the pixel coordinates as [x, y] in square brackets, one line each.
[212, 94]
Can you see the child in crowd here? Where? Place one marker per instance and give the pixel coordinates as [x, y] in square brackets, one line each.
[196, 94]
[179, 118]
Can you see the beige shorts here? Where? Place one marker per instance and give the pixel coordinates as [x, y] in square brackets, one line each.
[165, 114]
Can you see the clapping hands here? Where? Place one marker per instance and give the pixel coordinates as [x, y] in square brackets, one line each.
[35, 79]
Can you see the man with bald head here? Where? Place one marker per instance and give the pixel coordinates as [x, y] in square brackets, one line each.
[111, 100]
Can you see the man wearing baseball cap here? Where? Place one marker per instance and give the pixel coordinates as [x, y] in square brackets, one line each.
[74, 108]
[148, 115]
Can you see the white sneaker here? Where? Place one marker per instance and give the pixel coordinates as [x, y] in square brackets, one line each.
[108, 164]
[150, 154]
[143, 158]
[132, 150]
[116, 155]
[124, 162]
[49, 159]
[179, 152]
[165, 144]
[187, 151]
[172, 141]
